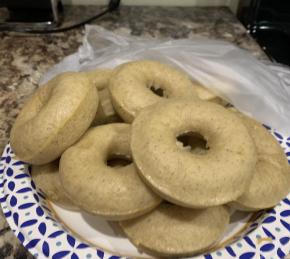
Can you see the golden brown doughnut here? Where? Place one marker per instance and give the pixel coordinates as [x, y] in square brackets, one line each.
[196, 180]
[131, 83]
[206, 95]
[170, 230]
[46, 177]
[99, 77]
[54, 118]
[115, 193]
[271, 179]
[106, 112]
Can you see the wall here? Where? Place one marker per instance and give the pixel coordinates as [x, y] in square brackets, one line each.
[232, 4]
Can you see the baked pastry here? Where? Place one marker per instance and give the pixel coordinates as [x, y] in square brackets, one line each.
[271, 179]
[99, 77]
[115, 193]
[196, 180]
[54, 118]
[106, 112]
[205, 94]
[170, 230]
[46, 177]
[138, 84]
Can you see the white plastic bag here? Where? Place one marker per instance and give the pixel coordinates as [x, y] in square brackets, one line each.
[259, 90]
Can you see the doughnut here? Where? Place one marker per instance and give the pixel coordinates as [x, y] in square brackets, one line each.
[131, 83]
[99, 77]
[46, 177]
[106, 112]
[170, 230]
[189, 179]
[271, 180]
[206, 95]
[54, 118]
[115, 193]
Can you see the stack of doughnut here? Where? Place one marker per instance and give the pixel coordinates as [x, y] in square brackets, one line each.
[146, 146]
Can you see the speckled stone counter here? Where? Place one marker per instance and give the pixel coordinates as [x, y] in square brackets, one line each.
[24, 58]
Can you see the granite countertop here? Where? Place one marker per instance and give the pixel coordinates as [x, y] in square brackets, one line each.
[25, 57]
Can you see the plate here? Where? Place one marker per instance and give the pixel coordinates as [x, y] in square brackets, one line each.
[48, 230]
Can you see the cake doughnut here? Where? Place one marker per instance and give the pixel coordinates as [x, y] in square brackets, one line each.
[46, 177]
[131, 83]
[170, 230]
[271, 179]
[207, 95]
[106, 112]
[54, 118]
[195, 180]
[115, 193]
[99, 77]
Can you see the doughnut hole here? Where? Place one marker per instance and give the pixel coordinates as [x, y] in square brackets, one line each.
[118, 153]
[118, 160]
[158, 91]
[193, 142]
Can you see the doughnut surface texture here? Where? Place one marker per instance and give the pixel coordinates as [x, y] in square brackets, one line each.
[106, 112]
[46, 177]
[218, 176]
[131, 83]
[115, 193]
[99, 77]
[271, 179]
[54, 118]
[205, 94]
[170, 230]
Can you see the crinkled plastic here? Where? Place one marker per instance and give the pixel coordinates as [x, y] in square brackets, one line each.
[259, 90]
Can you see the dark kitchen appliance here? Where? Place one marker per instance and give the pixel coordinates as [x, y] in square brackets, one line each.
[268, 21]
[27, 14]
[47, 16]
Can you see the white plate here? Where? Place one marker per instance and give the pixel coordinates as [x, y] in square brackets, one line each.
[48, 230]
